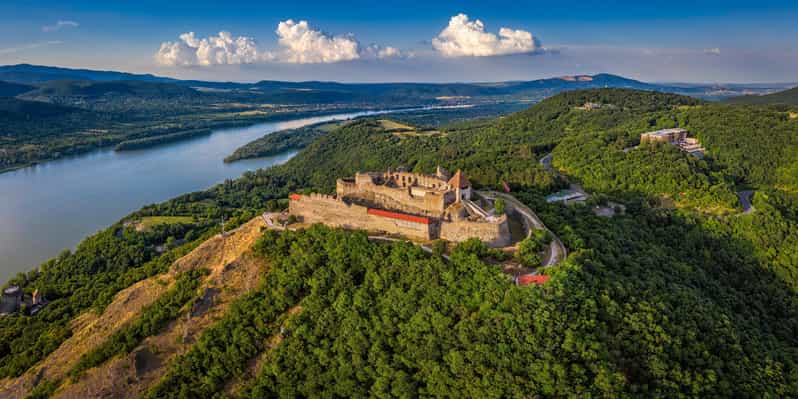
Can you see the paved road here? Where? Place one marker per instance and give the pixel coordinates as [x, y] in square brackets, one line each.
[557, 250]
[745, 200]
[546, 162]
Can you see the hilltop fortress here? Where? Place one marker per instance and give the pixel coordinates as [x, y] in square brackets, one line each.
[414, 205]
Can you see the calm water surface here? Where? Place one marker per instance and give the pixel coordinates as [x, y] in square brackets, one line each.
[50, 207]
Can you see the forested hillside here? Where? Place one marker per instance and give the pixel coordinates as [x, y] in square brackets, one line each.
[680, 298]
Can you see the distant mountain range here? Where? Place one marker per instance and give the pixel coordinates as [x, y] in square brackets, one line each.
[26, 73]
[18, 77]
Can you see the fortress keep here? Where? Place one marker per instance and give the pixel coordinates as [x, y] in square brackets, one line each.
[414, 205]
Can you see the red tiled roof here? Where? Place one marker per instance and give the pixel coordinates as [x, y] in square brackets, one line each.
[536, 279]
[459, 180]
[295, 197]
[399, 216]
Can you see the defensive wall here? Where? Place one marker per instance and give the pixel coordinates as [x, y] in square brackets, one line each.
[332, 211]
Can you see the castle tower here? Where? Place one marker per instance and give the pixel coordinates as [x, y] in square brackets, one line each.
[461, 185]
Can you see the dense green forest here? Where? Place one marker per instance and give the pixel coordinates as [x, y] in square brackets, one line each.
[147, 142]
[688, 299]
[635, 311]
[296, 139]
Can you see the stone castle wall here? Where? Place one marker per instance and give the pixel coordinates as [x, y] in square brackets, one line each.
[494, 234]
[397, 198]
[328, 210]
[405, 179]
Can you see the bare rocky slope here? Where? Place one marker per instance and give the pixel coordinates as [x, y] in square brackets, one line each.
[233, 271]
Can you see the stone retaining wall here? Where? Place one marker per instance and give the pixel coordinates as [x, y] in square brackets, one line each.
[494, 234]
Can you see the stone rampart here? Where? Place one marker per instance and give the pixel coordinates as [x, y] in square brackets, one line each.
[331, 211]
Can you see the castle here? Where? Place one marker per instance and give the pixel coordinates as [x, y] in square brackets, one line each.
[413, 205]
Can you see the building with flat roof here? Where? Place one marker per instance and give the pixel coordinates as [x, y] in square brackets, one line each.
[664, 135]
[677, 137]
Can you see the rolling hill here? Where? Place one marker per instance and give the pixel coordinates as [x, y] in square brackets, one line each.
[26, 73]
[9, 89]
[70, 88]
[786, 97]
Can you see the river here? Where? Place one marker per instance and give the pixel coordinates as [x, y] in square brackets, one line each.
[50, 207]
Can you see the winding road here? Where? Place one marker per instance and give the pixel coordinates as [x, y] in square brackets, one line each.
[546, 163]
[745, 201]
[557, 251]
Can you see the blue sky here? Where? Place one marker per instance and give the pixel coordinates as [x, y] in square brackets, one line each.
[714, 41]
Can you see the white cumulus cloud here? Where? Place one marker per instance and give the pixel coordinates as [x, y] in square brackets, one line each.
[375, 51]
[463, 37]
[223, 49]
[298, 43]
[303, 45]
[61, 24]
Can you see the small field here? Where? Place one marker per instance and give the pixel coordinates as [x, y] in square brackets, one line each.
[404, 130]
[793, 115]
[392, 125]
[328, 127]
[148, 222]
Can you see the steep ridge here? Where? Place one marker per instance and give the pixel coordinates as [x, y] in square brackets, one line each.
[232, 272]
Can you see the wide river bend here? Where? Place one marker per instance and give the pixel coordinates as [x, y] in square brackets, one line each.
[50, 207]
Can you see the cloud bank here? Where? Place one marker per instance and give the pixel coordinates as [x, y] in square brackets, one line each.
[298, 43]
[466, 38]
[61, 24]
